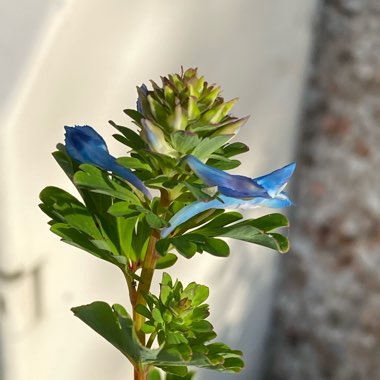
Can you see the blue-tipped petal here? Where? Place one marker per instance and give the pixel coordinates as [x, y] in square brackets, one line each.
[275, 182]
[239, 186]
[231, 185]
[280, 201]
[130, 177]
[223, 202]
[86, 146]
[237, 192]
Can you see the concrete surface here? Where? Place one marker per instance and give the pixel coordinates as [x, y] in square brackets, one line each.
[327, 312]
[79, 63]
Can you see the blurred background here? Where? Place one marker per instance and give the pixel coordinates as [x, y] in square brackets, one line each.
[307, 72]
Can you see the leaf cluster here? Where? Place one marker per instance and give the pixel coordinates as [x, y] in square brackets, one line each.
[206, 237]
[177, 319]
[111, 222]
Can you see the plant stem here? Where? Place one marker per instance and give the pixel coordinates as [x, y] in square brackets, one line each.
[145, 283]
[139, 373]
[137, 296]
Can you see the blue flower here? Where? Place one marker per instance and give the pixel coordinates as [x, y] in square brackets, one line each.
[238, 186]
[235, 192]
[86, 146]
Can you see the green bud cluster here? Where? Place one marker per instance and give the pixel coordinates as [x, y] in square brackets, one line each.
[177, 319]
[185, 107]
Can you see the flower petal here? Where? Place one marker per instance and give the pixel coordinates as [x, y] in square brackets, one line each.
[223, 202]
[275, 182]
[231, 185]
[239, 186]
[86, 146]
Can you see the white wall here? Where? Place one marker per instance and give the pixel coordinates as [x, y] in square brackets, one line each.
[78, 62]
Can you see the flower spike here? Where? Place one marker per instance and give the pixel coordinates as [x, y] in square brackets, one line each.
[86, 146]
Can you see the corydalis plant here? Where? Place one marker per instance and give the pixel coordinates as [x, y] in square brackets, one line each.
[169, 195]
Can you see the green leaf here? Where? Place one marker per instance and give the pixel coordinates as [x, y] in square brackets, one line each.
[220, 221]
[64, 161]
[253, 235]
[234, 149]
[179, 372]
[147, 328]
[80, 240]
[100, 182]
[270, 222]
[219, 162]
[143, 310]
[171, 356]
[166, 261]
[184, 142]
[134, 163]
[165, 292]
[209, 145]
[123, 209]
[154, 221]
[184, 246]
[252, 230]
[154, 374]
[166, 279]
[202, 326]
[115, 325]
[274, 241]
[63, 207]
[216, 247]
[141, 236]
[196, 293]
[174, 338]
[162, 246]
[188, 376]
[157, 316]
[132, 139]
[134, 115]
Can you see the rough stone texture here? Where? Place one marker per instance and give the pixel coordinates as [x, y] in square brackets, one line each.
[326, 321]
